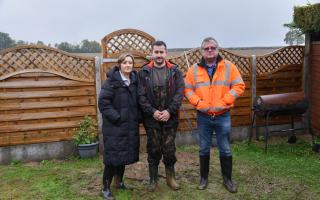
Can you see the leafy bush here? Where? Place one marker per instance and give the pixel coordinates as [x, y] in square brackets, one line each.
[307, 18]
[86, 133]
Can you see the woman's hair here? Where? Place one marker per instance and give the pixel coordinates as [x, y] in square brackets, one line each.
[123, 56]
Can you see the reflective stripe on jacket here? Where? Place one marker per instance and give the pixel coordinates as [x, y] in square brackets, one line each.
[214, 96]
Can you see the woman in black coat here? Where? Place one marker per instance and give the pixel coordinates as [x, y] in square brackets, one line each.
[118, 103]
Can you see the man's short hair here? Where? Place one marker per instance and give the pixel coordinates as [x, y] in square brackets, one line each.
[159, 43]
[209, 39]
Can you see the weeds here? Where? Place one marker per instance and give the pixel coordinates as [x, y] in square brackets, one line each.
[285, 171]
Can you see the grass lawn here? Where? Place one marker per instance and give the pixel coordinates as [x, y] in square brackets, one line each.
[284, 172]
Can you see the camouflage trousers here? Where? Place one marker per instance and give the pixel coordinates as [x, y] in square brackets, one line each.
[161, 142]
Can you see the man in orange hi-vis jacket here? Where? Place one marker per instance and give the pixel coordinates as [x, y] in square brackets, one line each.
[212, 86]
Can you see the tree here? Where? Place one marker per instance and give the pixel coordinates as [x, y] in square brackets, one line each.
[90, 46]
[5, 41]
[294, 35]
[85, 46]
[21, 42]
[65, 46]
[40, 42]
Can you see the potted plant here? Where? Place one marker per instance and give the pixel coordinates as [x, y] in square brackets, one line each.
[316, 144]
[85, 137]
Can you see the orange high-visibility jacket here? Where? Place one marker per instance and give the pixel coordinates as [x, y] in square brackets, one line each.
[218, 95]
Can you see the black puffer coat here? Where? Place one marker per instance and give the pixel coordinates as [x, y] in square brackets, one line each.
[118, 104]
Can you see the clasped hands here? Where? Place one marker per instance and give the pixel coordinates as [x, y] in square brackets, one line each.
[161, 115]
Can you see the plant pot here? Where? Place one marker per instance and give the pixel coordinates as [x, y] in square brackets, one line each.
[87, 150]
[316, 148]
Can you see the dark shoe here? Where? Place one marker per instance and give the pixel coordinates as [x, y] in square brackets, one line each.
[153, 174]
[226, 170]
[106, 180]
[106, 194]
[170, 177]
[230, 185]
[123, 186]
[204, 171]
[152, 186]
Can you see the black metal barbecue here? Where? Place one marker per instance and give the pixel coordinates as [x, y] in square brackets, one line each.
[266, 106]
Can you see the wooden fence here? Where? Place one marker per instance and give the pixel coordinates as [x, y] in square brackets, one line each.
[136, 42]
[277, 72]
[44, 93]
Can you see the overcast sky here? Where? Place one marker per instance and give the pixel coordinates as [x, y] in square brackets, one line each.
[180, 23]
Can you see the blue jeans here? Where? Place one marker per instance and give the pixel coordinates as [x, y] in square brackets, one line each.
[221, 124]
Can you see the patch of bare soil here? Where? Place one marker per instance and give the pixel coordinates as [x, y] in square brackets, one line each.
[186, 167]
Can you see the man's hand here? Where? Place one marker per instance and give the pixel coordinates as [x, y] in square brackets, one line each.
[164, 116]
[157, 115]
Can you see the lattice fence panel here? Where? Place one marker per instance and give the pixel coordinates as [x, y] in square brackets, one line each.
[283, 57]
[46, 59]
[186, 59]
[126, 40]
[193, 56]
[242, 62]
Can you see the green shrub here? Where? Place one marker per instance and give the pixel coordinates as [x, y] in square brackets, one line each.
[86, 132]
[307, 18]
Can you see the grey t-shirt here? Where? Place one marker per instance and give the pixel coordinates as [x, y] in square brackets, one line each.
[159, 76]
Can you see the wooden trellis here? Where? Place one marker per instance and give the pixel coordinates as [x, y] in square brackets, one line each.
[188, 58]
[44, 93]
[134, 41]
[25, 59]
[280, 71]
[270, 63]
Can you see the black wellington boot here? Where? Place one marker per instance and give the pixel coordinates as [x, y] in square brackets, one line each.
[226, 169]
[204, 171]
[107, 179]
[153, 174]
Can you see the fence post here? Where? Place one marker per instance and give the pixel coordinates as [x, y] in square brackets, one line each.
[98, 88]
[253, 88]
[306, 81]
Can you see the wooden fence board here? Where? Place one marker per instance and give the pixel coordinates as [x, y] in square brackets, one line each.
[48, 115]
[39, 94]
[47, 104]
[46, 84]
[32, 127]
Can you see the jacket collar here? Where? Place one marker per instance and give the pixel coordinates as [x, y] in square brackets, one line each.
[114, 75]
[202, 62]
[168, 64]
